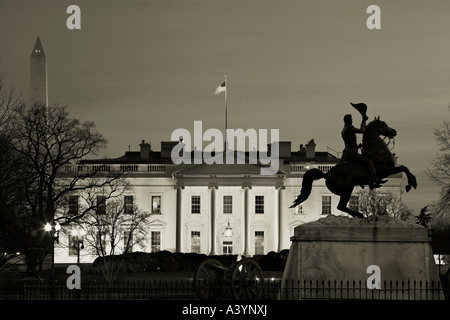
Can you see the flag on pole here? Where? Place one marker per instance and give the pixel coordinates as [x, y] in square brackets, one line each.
[221, 88]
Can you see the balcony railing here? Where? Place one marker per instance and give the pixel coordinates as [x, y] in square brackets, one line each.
[115, 168]
[301, 168]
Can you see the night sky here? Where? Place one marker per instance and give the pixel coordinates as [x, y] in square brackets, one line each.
[141, 69]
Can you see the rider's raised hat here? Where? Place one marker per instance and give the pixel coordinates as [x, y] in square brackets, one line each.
[361, 107]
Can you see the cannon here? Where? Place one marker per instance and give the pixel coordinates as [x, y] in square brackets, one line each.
[243, 280]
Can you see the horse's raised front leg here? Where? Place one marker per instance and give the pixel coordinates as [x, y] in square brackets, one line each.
[412, 182]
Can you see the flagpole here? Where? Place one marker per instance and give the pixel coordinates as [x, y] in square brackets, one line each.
[226, 115]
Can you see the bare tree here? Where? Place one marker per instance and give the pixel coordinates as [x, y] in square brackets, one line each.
[49, 144]
[14, 224]
[113, 231]
[440, 172]
[49, 140]
[374, 202]
[9, 101]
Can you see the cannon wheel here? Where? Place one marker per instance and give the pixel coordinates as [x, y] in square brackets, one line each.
[208, 280]
[246, 280]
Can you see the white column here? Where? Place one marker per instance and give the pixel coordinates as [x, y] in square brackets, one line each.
[212, 190]
[280, 217]
[178, 227]
[274, 225]
[246, 220]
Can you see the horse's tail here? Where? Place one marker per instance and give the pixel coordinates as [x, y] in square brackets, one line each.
[309, 177]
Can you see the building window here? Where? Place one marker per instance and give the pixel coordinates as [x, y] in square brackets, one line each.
[127, 241]
[195, 241]
[73, 205]
[155, 241]
[101, 205]
[353, 204]
[73, 250]
[259, 204]
[227, 247]
[128, 205]
[298, 209]
[195, 204]
[228, 204]
[156, 204]
[326, 204]
[259, 242]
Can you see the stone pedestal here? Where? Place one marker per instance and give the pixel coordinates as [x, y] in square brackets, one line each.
[329, 259]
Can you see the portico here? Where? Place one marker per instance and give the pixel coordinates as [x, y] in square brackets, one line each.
[236, 196]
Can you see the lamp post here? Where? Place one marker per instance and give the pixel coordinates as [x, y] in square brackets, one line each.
[54, 234]
[78, 242]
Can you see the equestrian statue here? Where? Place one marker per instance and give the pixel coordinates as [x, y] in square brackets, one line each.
[374, 163]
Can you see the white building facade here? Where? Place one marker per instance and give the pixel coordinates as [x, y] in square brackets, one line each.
[193, 205]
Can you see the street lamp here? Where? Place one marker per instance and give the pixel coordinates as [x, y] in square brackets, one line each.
[54, 233]
[78, 242]
[54, 230]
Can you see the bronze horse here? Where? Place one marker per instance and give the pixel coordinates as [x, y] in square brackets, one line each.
[343, 177]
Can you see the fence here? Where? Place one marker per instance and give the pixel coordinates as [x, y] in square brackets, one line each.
[183, 290]
[357, 290]
[98, 290]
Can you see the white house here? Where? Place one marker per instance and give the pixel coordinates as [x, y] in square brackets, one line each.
[193, 205]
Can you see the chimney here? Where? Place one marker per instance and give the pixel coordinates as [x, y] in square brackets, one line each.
[311, 149]
[145, 150]
[284, 149]
[166, 148]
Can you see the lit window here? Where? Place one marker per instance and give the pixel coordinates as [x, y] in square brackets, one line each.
[156, 204]
[73, 205]
[228, 204]
[299, 209]
[155, 241]
[128, 205]
[326, 204]
[127, 241]
[101, 205]
[353, 204]
[259, 204]
[195, 204]
[195, 241]
[259, 242]
[227, 247]
[73, 250]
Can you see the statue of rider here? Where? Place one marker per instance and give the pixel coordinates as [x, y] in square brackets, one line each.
[350, 152]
